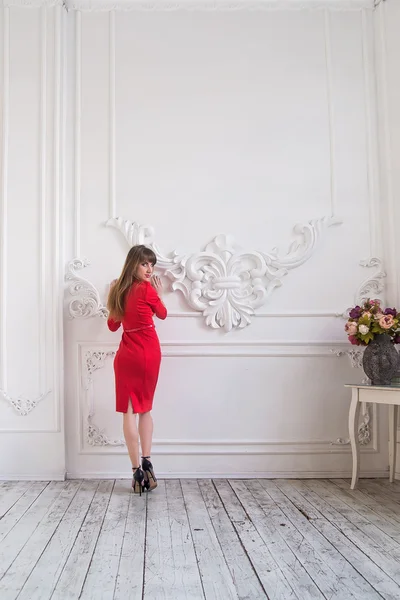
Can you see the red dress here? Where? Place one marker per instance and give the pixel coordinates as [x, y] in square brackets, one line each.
[137, 361]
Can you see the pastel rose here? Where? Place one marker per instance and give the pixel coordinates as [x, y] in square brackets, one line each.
[367, 314]
[386, 322]
[363, 329]
[351, 328]
[375, 302]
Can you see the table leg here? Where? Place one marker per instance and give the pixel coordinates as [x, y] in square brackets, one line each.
[353, 434]
[393, 410]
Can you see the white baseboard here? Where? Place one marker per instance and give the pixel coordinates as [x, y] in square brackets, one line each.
[51, 476]
[245, 475]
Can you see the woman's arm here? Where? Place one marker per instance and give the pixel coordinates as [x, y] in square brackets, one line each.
[153, 298]
[112, 324]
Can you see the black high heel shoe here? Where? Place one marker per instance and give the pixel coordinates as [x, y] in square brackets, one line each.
[150, 480]
[138, 481]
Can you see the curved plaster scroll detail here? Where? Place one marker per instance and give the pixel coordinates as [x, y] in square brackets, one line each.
[373, 286]
[88, 303]
[223, 282]
[94, 360]
[23, 405]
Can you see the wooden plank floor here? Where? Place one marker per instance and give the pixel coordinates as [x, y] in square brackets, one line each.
[200, 539]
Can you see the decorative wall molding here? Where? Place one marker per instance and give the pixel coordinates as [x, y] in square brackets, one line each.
[223, 282]
[371, 129]
[92, 361]
[373, 286]
[77, 133]
[97, 437]
[216, 5]
[23, 405]
[4, 129]
[95, 359]
[331, 111]
[34, 3]
[47, 139]
[88, 303]
[355, 355]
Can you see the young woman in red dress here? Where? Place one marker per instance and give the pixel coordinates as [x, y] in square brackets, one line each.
[133, 300]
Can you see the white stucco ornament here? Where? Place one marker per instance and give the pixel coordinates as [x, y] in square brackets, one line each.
[224, 282]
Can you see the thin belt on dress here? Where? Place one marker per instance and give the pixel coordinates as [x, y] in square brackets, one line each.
[138, 329]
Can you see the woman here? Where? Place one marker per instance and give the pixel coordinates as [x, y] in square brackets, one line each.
[133, 300]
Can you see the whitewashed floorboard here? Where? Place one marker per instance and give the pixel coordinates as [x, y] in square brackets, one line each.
[305, 568]
[16, 575]
[15, 540]
[244, 575]
[19, 508]
[44, 577]
[374, 503]
[271, 576]
[352, 579]
[102, 575]
[129, 585]
[216, 577]
[385, 496]
[72, 578]
[185, 564]
[361, 521]
[200, 540]
[388, 562]
[171, 569]
[369, 510]
[10, 493]
[362, 562]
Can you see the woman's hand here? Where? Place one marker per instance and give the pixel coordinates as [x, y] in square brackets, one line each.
[157, 284]
[114, 281]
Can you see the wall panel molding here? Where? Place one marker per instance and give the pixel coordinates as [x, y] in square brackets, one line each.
[77, 139]
[112, 118]
[331, 111]
[4, 195]
[215, 5]
[48, 236]
[94, 358]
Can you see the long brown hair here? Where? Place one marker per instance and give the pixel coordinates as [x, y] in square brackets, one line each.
[116, 297]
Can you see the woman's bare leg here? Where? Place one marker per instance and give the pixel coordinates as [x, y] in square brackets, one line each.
[131, 435]
[146, 432]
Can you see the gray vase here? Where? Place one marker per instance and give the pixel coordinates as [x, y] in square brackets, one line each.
[381, 360]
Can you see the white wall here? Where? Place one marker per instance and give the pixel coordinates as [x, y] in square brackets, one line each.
[224, 122]
[31, 262]
[196, 123]
[387, 52]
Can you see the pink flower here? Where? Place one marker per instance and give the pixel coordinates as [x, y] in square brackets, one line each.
[367, 314]
[350, 328]
[377, 302]
[353, 340]
[386, 322]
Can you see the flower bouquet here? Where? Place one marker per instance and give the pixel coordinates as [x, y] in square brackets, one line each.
[369, 320]
[377, 328]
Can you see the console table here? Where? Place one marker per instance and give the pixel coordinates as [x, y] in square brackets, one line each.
[373, 394]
